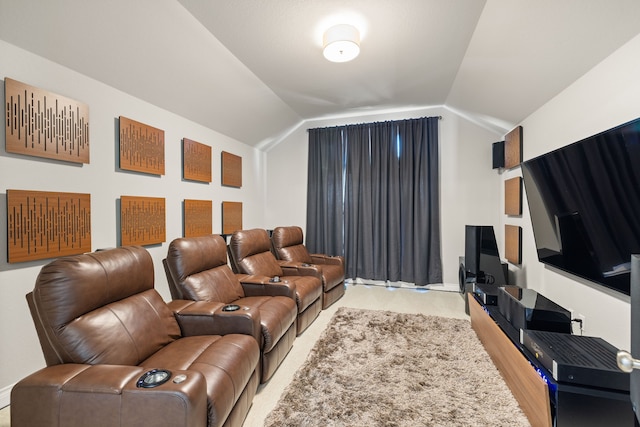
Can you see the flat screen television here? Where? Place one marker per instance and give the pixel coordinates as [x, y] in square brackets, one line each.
[584, 201]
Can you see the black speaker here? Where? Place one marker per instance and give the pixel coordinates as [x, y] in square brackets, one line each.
[498, 154]
[472, 238]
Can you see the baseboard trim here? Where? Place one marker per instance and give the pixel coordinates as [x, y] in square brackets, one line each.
[5, 396]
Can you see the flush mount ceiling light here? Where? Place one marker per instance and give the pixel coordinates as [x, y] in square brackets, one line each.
[341, 43]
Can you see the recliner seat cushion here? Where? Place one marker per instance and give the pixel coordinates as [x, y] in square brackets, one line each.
[276, 316]
[227, 362]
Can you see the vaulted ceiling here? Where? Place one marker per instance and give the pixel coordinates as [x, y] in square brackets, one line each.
[253, 69]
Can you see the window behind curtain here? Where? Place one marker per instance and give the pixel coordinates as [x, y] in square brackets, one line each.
[373, 197]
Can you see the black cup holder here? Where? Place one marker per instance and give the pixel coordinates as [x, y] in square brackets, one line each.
[275, 279]
[231, 307]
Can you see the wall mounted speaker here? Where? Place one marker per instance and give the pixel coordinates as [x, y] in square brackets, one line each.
[498, 154]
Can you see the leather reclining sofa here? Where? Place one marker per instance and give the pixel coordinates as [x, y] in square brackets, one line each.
[102, 326]
[118, 355]
[287, 243]
[250, 253]
[197, 270]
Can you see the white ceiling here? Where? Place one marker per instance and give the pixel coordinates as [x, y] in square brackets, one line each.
[253, 69]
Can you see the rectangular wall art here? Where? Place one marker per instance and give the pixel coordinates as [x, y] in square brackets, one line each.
[42, 224]
[513, 196]
[43, 124]
[513, 243]
[196, 161]
[142, 220]
[141, 147]
[198, 218]
[231, 170]
[513, 148]
[231, 217]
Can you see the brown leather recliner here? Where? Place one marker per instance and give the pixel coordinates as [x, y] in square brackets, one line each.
[197, 270]
[250, 253]
[102, 326]
[288, 245]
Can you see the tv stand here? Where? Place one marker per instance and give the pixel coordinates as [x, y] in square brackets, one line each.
[544, 401]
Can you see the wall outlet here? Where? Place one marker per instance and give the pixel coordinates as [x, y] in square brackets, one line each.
[581, 326]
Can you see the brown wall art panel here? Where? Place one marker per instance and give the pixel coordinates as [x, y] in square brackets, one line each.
[142, 220]
[198, 218]
[141, 147]
[513, 148]
[231, 170]
[513, 243]
[231, 217]
[43, 124]
[44, 224]
[196, 161]
[513, 196]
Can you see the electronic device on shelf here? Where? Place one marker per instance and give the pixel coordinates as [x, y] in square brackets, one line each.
[576, 359]
[527, 309]
[584, 202]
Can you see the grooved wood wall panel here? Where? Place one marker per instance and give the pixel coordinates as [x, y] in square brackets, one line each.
[141, 147]
[231, 217]
[42, 224]
[196, 161]
[198, 216]
[512, 243]
[513, 196]
[142, 220]
[231, 170]
[513, 148]
[44, 124]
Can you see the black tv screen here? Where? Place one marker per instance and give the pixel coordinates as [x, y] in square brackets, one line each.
[584, 201]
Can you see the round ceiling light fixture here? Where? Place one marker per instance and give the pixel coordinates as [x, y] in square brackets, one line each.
[341, 43]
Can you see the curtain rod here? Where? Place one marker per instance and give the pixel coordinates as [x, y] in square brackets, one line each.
[367, 123]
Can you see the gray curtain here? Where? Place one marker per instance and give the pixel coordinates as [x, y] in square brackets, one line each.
[325, 205]
[390, 211]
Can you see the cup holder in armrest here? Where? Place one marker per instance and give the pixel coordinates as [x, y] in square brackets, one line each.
[231, 307]
[153, 378]
[275, 279]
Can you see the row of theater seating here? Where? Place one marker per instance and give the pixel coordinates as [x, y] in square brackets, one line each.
[118, 355]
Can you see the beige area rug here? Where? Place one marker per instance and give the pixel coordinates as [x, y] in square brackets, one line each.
[379, 368]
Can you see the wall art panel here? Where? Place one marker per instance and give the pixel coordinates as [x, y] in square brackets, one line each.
[142, 220]
[44, 124]
[231, 170]
[196, 161]
[43, 224]
[198, 216]
[231, 217]
[141, 147]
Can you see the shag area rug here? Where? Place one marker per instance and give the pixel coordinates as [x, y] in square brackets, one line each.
[380, 368]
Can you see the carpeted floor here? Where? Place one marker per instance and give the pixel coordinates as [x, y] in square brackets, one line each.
[381, 368]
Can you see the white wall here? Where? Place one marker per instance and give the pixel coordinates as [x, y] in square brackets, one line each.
[470, 189]
[605, 97]
[20, 353]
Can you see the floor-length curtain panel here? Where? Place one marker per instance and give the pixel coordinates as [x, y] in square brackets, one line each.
[358, 224]
[325, 226]
[391, 198]
[420, 201]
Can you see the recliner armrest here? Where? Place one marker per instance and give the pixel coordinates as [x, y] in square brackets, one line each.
[296, 268]
[208, 318]
[76, 394]
[255, 285]
[327, 259]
